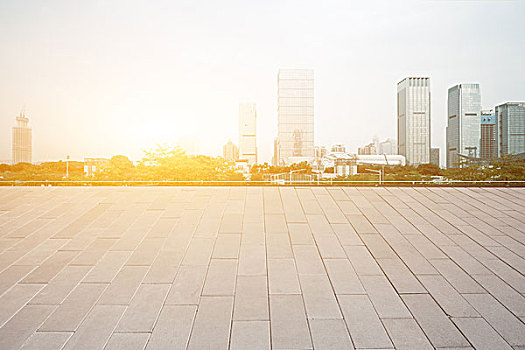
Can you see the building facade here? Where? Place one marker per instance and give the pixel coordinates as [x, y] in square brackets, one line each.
[248, 132]
[230, 152]
[413, 120]
[22, 144]
[389, 146]
[369, 149]
[434, 156]
[488, 145]
[295, 115]
[510, 128]
[463, 123]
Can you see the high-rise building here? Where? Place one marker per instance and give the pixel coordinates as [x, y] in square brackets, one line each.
[463, 128]
[295, 115]
[230, 151]
[413, 120]
[389, 146]
[320, 152]
[275, 158]
[248, 133]
[338, 148]
[22, 144]
[434, 156]
[510, 126]
[369, 149]
[488, 146]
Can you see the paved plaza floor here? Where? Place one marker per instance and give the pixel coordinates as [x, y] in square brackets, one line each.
[260, 268]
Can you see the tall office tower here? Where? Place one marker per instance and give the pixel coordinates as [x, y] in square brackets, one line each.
[389, 146]
[339, 148]
[488, 146]
[510, 128]
[413, 120]
[369, 149]
[275, 158]
[320, 152]
[295, 115]
[22, 144]
[230, 151]
[434, 156]
[248, 132]
[463, 128]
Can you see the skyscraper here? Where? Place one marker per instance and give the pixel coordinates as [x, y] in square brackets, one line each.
[463, 128]
[248, 132]
[510, 125]
[434, 156]
[230, 151]
[488, 146]
[22, 144]
[413, 120]
[295, 115]
[389, 146]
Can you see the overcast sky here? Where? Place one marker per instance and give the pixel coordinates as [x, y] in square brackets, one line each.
[103, 77]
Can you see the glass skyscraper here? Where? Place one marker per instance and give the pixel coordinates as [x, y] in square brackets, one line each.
[295, 115]
[510, 125]
[248, 132]
[464, 123]
[413, 120]
[22, 143]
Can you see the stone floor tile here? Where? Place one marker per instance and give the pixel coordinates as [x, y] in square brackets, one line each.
[458, 278]
[330, 334]
[127, 341]
[319, 298]
[172, 330]
[187, 287]
[435, 323]
[288, 322]
[15, 299]
[108, 267]
[400, 276]
[252, 260]
[221, 277]
[60, 286]
[308, 260]
[21, 326]
[211, 329]
[251, 299]
[68, 316]
[447, 297]
[227, 246]
[250, 335]
[142, 312]
[282, 277]
[480, 334]
[97, 327]
[46, 341]
[514, 301]
[503, 321]
[52, 266]
[362, 260]
[343, 277]
[362, 321]
[123, 287]
[406, 334]
[386, 301]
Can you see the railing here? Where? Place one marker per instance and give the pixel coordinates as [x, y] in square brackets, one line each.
[292, 182]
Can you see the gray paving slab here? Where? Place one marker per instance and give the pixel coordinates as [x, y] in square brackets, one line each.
[262, 268]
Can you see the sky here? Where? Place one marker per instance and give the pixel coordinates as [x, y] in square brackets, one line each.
[99, 78]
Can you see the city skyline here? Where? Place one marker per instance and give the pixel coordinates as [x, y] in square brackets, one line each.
[134, 79]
